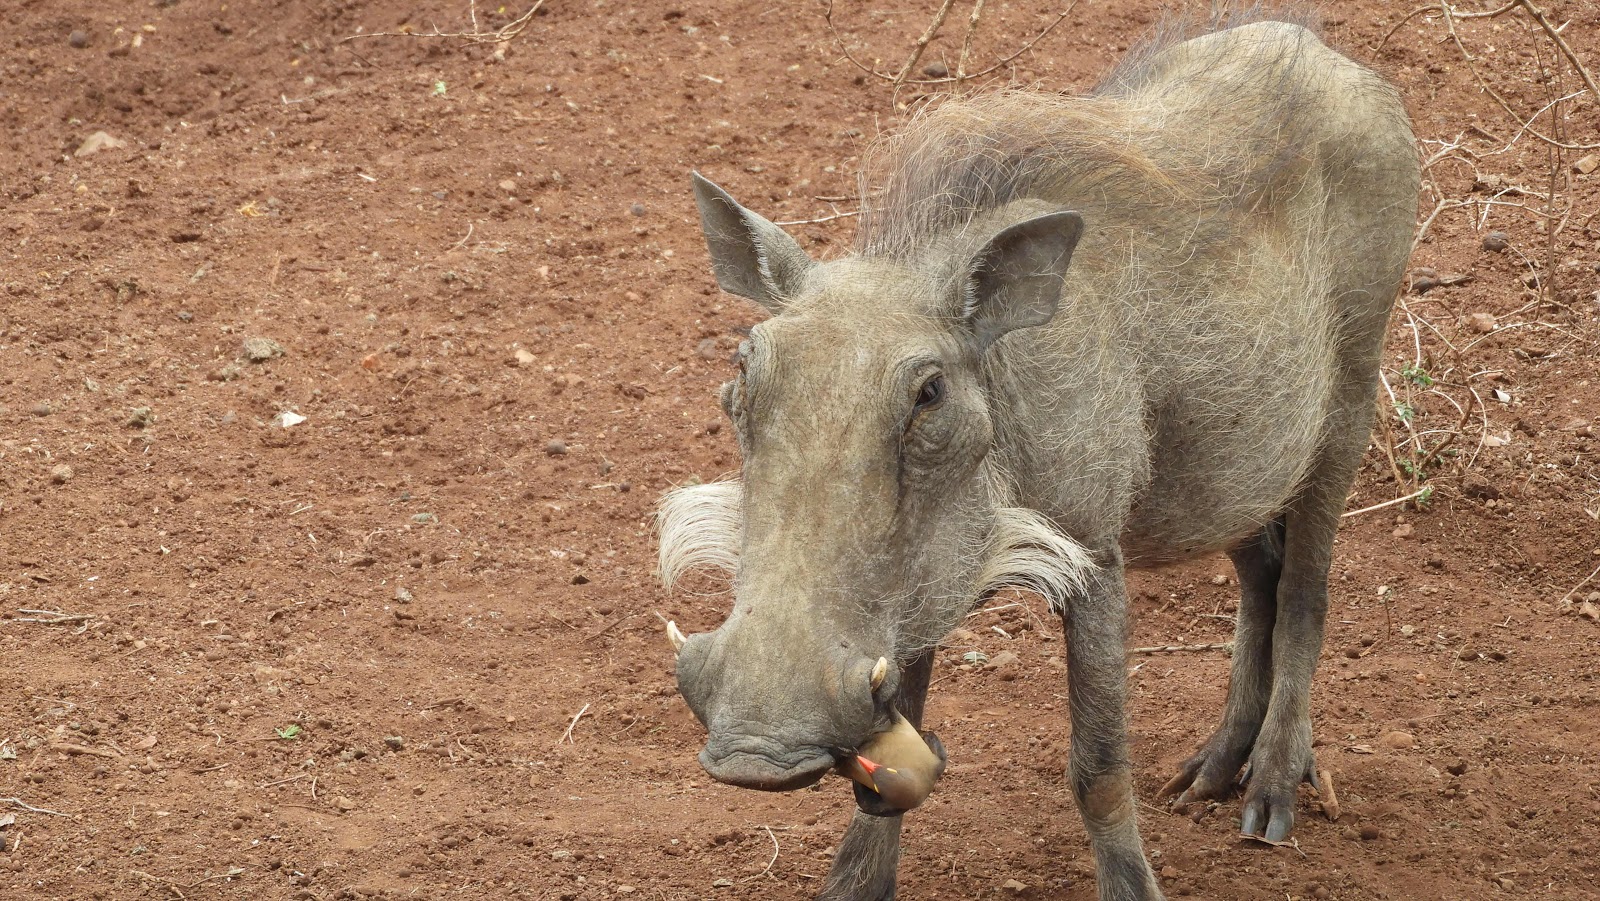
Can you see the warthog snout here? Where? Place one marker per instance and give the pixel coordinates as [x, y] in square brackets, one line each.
[780, 718]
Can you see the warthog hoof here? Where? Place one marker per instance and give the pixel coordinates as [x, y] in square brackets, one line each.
[1271, 777]
[1211, 774]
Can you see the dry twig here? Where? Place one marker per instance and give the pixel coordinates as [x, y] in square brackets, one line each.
[1191, 648]
[900, 78]
[1586, 580]
[819, 219]
[500, 37]
[23, 805]
[69, 748]
[774, 859]
[922, 42]
[567, 735]
[51, 617]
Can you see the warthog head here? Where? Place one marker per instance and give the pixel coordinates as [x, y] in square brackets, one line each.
[870, 515]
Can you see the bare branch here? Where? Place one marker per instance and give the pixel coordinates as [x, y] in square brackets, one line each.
[922, 42]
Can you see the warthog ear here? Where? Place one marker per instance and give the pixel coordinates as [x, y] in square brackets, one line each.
[751, 257]
[1015, 280]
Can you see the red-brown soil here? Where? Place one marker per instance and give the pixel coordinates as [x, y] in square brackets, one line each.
[410, 646]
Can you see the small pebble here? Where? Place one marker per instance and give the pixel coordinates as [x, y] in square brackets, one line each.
[61, 473]
[1457, 768]
[42, 408]
[1496, 241]
[97, 142]
[78, 39]
[260, 350]
[556, 448]
[936, 69]
[1369, 832]
[394, 742]
[636, 209]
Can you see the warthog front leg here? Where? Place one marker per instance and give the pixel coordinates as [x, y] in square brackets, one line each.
[869, 853]
[1214, 770]
[1102, 777]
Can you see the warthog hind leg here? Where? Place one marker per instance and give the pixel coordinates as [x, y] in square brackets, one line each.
[1268, 713]
[869, 853]
[1281, 758]
[1213, 771]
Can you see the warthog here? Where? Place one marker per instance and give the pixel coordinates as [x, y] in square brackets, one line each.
[1074, 335]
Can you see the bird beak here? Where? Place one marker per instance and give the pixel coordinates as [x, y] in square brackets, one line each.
[860, 769]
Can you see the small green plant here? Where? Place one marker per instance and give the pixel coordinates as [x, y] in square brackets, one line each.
[1417, 375]
[438, 89]
[289, 732]
[975, 658]
[1405, 411]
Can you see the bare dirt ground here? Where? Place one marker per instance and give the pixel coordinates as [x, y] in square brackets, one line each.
[408, 647]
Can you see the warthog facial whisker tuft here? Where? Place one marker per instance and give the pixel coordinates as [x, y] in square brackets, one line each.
[699, 526]
[1027, 552]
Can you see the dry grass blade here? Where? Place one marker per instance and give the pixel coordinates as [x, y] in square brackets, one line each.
[1389, 503]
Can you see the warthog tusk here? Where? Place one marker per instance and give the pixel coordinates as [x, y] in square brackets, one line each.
[880, 671]
[675, 635]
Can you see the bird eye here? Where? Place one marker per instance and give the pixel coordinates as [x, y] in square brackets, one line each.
[931, 394]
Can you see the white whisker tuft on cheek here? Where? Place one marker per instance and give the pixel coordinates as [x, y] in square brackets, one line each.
[1027, 552]
[698, 525]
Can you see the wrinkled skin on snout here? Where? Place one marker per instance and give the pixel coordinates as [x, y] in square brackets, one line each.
[868, 502]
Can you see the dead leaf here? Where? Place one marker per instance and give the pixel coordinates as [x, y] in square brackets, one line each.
[145, 744]
[1588, 610]
[1361, 749]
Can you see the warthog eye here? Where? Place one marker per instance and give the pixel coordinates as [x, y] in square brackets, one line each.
[931, 394]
